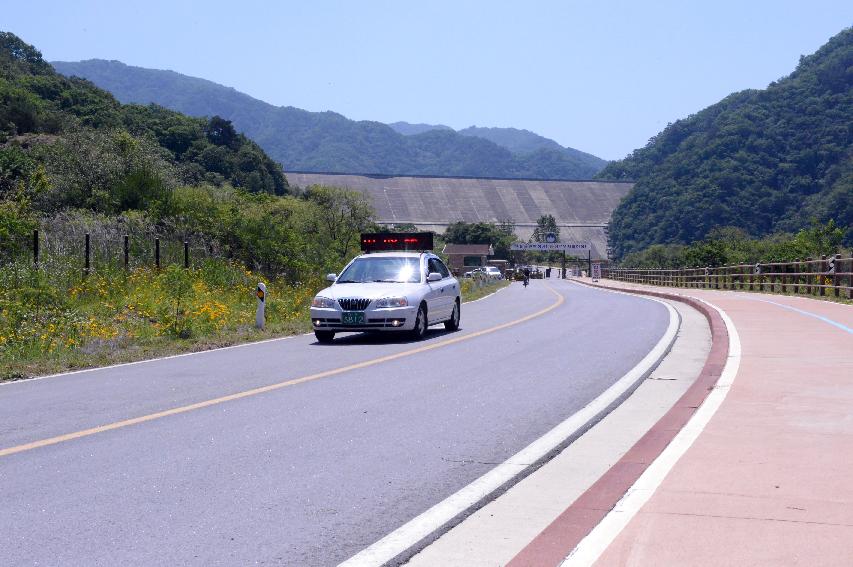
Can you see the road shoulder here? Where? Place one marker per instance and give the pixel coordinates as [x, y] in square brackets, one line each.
[497, 532]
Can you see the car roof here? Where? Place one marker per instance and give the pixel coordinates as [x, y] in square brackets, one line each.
[395, 254]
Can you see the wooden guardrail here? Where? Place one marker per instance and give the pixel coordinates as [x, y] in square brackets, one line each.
[827, 275]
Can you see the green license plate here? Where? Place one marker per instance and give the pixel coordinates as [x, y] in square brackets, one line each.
[353, 318]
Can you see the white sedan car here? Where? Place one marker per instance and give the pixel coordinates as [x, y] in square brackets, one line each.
[388, 291]
[494, 272]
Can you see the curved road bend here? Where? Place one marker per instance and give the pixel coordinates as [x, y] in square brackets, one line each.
[311, 473]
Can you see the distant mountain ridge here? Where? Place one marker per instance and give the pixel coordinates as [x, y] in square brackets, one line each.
[327, 141]
[525, 142]
[515, 140]
[409, 129]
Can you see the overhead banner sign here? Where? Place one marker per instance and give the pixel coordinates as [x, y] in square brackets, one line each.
[551, 246]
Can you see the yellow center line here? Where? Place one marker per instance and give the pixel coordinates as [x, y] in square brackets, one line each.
[277, 386]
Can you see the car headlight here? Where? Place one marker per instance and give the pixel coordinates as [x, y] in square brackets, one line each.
[392, 302]
[323, 302]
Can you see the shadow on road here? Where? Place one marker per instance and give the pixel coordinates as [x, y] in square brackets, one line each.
[382, 338]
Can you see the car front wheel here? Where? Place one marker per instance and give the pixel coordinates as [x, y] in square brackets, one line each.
[452, 324]
[324, 337]
[420, 324]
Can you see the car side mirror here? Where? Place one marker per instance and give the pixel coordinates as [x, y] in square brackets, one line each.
[331, 277]
[434, 277]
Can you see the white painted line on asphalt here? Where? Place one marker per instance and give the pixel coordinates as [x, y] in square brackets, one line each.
[841, 326]
[409, 534]
[593, 545]
[147, 360]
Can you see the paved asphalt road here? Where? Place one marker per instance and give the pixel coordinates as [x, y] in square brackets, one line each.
[310, 473]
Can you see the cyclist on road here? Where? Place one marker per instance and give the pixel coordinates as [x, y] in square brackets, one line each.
[526, 276]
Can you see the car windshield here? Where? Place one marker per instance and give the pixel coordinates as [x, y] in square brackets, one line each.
[379, 269]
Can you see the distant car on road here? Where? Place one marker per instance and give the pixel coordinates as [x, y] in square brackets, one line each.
[388, 291]
[493, 272]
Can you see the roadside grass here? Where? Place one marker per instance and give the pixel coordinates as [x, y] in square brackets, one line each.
[474, 289]
[61, 321]
[58, 321]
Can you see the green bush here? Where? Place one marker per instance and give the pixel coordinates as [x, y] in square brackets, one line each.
[729, 245]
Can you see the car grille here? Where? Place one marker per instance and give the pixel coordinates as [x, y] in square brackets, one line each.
[328, 323]
[353, 304]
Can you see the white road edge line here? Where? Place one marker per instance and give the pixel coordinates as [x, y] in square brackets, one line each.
[420, 527]
[599, 539]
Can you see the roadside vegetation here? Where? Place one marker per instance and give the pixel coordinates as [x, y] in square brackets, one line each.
[730, 246]
[56, 320]
[75, 162]
[478, 288]
[116, 316]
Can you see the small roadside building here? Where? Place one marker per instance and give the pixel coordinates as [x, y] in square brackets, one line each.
[462, 258]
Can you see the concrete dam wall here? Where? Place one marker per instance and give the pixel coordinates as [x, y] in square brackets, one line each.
[582, 208]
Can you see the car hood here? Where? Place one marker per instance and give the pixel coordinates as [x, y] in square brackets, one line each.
[376, 290]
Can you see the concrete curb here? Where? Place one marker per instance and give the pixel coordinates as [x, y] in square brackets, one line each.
[558, 540]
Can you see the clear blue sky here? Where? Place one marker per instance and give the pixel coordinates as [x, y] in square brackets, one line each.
[600, 76]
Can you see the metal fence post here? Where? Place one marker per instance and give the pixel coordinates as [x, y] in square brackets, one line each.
[157, 253]
[88, 252]
[36, 248]
[186, 254]
[126, 251]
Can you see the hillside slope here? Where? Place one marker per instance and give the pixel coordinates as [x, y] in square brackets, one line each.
[766, 161]
[326, 141]
[100, 154]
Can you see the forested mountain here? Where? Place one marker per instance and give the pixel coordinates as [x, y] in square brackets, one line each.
[326, 141]
[100, 154]
[525, 142]
[766, 161]
[515, 140]
[520, 142]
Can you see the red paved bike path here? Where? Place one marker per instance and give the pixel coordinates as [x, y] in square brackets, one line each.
[770, 479]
